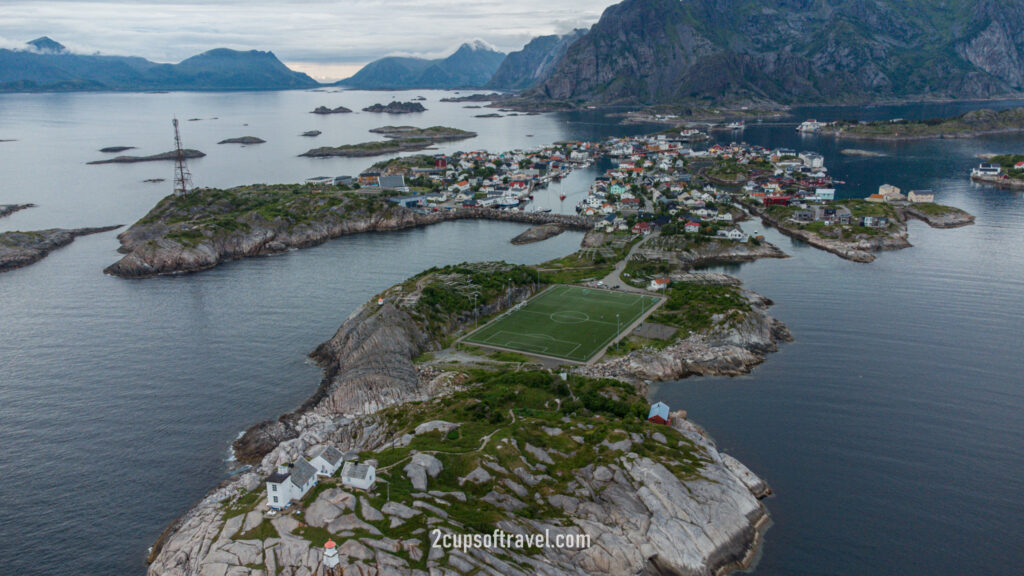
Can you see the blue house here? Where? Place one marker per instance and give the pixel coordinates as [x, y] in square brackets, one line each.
[659, 413]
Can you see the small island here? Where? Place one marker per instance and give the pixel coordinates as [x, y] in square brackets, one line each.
[970, 125]
[8, 209]
[474, 98]
[243, 140]
[19, 249]
[311, 133]
[399, 139]
[189, 154]
[324, 110]
[116, 149]
[396, 108]
[490, 115]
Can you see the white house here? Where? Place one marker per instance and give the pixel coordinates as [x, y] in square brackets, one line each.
[357, 475]
[658, 284]
[921, 196]
[290, 483]
[812, 160]
[733, 234]
[327, 461]
[825, 193]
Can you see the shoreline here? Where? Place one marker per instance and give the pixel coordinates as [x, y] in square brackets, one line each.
[21, 249]
[1003, 183]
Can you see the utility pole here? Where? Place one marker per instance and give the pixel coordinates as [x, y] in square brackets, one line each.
[182, 177]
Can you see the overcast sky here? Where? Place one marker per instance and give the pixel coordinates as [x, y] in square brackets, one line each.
[326, 38]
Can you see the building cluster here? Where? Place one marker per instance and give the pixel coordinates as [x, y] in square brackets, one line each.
[291, 482]
[480, 179]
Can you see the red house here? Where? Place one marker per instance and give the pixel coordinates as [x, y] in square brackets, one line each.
[777, 200]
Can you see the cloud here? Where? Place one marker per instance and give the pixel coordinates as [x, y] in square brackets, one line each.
[326, 33]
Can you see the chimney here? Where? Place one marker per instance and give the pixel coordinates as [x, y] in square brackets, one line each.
[283, 469]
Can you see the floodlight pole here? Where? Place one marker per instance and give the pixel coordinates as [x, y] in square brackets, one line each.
[618, 331]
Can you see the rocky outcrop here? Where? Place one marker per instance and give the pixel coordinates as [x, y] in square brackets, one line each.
[640, 516]
[538, 233]
[324, 110]
[150, 249]
[243, 140]
[396, 108]
[8, 209]
[188, 153]
[948, 218]
[731, 348]
[18, 249]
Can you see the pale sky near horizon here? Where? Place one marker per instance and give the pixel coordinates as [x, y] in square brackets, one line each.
[328, 39]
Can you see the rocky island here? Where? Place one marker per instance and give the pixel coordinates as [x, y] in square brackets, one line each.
[311, 133]
[189, 153]
[8, 209]
[210, 226]
[324, 110]
[970, 125]
[399, 139]
[18, 249]
[116, 149]
[470, 443]
[243, 140]
[396, 108]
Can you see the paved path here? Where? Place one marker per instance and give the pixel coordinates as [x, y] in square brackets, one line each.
[615, 277]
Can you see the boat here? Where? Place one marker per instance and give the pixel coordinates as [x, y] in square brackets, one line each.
[735, 125]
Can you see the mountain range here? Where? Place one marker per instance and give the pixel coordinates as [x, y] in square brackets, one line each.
[788, 51]
[471, 66]
[644, 52]
[46, 66]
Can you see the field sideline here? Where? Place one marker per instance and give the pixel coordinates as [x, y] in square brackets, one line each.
[566, 322]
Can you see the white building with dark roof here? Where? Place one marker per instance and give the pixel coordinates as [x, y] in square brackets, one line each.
[327, 461]
[290, 483]
[357, 475]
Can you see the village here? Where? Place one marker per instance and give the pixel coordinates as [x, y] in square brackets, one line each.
[654, 183]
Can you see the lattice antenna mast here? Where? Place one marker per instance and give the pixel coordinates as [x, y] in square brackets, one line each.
[182, 177]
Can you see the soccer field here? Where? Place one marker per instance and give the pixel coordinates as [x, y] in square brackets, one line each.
[569, 322]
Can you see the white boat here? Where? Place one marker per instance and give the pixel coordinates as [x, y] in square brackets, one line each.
[735, 125]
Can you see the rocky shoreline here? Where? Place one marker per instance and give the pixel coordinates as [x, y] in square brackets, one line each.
[19, 249]
[641, 516]
[999, 182]
[149, 251]
[951, 219]
[731, 349]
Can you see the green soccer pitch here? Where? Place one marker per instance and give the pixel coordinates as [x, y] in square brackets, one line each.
[567, 322]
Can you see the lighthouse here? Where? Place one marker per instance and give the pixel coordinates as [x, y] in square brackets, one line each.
[330, 558]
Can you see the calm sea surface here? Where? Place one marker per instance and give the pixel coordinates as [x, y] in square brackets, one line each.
[891, 429]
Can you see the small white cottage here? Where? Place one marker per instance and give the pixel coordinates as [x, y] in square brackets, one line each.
[290, 483]
[327, 461]
[361, 476]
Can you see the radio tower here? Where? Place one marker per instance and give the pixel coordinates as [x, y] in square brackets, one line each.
[182, 177]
